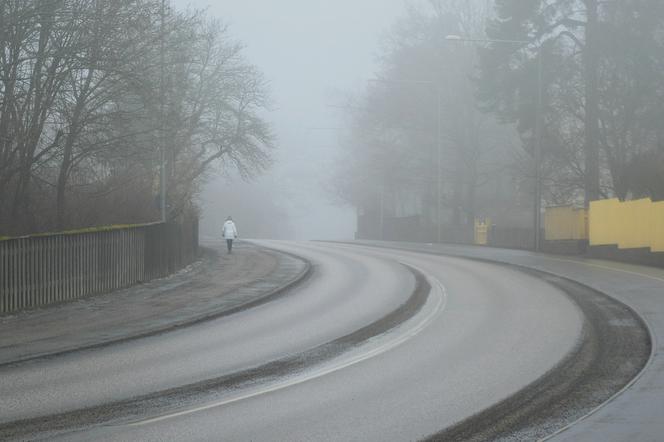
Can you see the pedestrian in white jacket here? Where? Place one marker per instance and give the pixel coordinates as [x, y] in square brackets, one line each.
[229, 231]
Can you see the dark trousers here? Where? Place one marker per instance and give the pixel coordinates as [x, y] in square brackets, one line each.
[229, 245]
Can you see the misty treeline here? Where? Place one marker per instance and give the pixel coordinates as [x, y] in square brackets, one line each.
[96, 95]
[601, 114]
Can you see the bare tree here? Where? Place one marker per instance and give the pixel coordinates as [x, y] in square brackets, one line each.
[80, 118]
[402, 128]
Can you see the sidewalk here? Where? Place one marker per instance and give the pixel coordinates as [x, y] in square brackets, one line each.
[637, 413]
[216, 285]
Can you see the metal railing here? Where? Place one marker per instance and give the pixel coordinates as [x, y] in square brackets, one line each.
[46, 269]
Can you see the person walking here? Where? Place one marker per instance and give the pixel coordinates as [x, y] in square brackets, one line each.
[229, 232]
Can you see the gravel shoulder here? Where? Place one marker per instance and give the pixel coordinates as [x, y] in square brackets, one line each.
[218, 284]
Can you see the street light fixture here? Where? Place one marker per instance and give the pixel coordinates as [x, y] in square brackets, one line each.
[537, 215]
[439, 139]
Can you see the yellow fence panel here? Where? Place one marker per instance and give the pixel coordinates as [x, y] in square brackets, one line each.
[604, 222]
[565, 223]
[635, 219]
[629, 225]
[657, 218]
[583, 223]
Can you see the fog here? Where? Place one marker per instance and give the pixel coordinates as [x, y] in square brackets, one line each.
[419, 120]
[312, 53]
[380, 119]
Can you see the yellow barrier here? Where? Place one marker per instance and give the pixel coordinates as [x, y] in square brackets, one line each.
[565, 223]
[636, 224]
[602, 222]
[657, 218]
[629, 224]
[482, 231]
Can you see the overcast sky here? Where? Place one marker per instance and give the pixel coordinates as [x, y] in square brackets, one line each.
[312, 52]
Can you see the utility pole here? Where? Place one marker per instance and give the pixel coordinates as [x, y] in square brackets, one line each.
[439, 165]
[591, 145]
[538, 155]
[382, 212]
[162, 137]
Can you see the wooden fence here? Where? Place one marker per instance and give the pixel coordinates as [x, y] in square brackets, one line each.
[46, 269]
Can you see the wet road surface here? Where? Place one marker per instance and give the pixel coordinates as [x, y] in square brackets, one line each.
[484, 333]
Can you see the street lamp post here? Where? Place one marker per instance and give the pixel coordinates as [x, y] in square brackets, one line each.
[162, 138]
[439, 145]
[537, 215]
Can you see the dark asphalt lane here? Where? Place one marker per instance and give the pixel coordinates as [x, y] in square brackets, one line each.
[486, 332]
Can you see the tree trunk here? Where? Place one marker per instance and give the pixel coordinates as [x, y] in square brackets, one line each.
[67, 154]
[63, 175]
[458, 194]
[20, 205]
[20, 213]
[591, 148]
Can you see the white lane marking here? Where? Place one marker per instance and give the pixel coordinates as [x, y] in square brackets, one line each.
[441, 303]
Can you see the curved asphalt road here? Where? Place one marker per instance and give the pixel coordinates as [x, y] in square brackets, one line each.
[489, 332]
